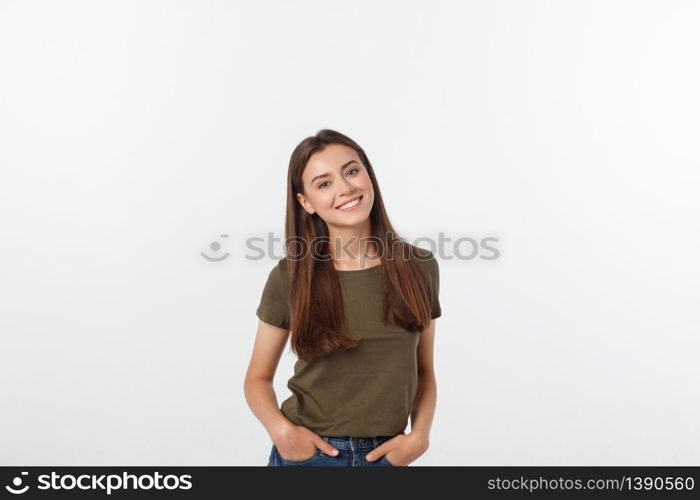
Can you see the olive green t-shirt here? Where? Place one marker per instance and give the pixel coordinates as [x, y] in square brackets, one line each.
[360, 392]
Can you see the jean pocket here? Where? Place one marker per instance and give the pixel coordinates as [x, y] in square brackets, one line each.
[288, 461]
[386, 461]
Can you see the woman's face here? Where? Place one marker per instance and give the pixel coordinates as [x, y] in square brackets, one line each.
[332, 178]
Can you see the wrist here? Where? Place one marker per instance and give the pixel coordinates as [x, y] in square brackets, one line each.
[421, 436]
[280, 429]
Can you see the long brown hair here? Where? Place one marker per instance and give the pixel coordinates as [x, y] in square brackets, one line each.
[317, 316]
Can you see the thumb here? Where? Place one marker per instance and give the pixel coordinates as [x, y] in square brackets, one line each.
[326, 447]
[376, 453]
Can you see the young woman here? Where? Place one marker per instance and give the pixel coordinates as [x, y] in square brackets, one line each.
[360, 304]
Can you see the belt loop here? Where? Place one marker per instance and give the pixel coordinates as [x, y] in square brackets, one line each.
[375, 441]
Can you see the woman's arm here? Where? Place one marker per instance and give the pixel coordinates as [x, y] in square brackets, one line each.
[426, 392]
[292, 441]
[258, 385]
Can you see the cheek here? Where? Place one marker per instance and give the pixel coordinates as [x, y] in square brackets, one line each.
[321, 200]
[368, 188]
[365, 182]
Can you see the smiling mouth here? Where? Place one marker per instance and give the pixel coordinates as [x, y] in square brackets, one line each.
[354, 203]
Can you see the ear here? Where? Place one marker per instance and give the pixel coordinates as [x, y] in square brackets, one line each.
[305, 203]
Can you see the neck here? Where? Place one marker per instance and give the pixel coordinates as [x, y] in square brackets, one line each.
[352, 245]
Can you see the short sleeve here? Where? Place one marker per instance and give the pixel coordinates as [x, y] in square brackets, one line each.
[434, 274]
[273, 307]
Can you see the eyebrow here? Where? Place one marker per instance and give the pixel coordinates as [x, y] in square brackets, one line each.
[327, 174]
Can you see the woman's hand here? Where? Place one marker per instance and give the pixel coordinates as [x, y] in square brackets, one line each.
[296, 442]
[400, 450]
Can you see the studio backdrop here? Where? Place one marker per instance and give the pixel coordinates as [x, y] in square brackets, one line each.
[546, 152]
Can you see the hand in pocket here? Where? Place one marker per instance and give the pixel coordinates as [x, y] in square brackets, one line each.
[300, 443]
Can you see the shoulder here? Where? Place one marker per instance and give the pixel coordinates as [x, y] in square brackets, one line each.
[423, 256]
[274, 306]
[425, 261]
[281, 265]
[278, 273]
[421, 253]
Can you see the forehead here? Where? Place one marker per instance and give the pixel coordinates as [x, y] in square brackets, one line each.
[329, 161]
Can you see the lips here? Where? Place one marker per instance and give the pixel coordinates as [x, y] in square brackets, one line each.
[349, 201]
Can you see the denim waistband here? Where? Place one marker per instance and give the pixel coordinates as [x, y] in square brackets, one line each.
[348, 443]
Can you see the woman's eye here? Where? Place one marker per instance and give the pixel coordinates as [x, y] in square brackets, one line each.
[326, 182]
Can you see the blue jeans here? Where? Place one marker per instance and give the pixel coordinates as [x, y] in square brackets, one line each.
[351, 453]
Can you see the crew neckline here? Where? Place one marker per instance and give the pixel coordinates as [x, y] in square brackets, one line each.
[357, 271]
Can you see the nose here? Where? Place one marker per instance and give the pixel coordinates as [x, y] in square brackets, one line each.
[348, 192]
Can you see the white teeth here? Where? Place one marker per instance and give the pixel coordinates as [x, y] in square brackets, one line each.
[349, 205]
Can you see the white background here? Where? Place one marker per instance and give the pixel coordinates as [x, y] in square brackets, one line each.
[134, 134]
